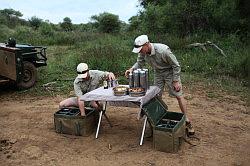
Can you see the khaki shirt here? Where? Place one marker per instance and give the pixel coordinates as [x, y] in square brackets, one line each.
[161, 60]
[83, 86]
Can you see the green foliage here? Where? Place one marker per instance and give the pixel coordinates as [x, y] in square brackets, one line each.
[146, 3]
[3, 20]
[89, 27]
[109, 53]
[11, 13]
[7, 33]
[24, 34]
[66, 25]
[244, 20]
[10, 17]
[35, 22]
[107, 22]
[186, 17]
[102, 52]
[134, 23]
[212, 63]
[46, 29]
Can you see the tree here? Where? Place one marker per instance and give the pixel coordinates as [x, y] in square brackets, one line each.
[190, 16]
[10, 17]
[46, 29]
[88, 27]
[11, 13]
[3, 20]
[107, 22]
[35, 22]
[66, 25]
[243, 7]
[145, 3]
[134, 23]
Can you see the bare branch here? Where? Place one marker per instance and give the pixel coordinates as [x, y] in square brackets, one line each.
[203, 46]
[48, 84]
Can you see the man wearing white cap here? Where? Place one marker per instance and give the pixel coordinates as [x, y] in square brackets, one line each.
[86, 81]
[166, 69]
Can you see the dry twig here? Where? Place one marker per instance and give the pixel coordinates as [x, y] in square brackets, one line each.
[203, 46]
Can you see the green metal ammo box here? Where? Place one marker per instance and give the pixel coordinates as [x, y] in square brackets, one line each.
[168, 127]
[69, 121]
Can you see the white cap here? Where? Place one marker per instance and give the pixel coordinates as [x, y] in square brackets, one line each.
[82, 70]
[139, 42]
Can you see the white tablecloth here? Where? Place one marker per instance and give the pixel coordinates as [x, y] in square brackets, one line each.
[101, 94]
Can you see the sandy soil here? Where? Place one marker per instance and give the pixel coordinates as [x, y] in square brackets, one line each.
[27, 135]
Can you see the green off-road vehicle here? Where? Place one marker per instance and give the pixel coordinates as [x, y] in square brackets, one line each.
[19, 63]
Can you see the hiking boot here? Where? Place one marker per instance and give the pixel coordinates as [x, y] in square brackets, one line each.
[189, 129]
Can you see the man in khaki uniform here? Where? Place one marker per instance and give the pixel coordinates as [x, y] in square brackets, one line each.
[166, 69]
[86, 81]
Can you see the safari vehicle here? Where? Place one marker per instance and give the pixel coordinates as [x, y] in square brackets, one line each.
[19, 63]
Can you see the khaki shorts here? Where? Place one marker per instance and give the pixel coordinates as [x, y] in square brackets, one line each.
[166, 78]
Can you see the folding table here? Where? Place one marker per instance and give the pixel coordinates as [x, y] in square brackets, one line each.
[107, 95]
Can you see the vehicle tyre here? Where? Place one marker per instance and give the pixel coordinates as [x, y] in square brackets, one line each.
[29, 76]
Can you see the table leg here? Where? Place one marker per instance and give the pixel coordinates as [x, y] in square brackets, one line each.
[100, 118]
[99, 122]
[143, 130]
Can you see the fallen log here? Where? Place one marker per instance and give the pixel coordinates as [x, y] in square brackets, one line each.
[203, 46]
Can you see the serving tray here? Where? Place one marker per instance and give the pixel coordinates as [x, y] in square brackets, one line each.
[120, 91]
[137, 92]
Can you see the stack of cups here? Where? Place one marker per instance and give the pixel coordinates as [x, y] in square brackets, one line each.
[136, 76]
[147, 77]
[139, 79]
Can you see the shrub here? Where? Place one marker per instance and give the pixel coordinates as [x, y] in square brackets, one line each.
[7, 33]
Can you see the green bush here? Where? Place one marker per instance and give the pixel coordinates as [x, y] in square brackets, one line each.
[6, 33]
[107, 22]
[24, 34]
[46, 30]
[211, 62]
[66, 25]
[35, 22]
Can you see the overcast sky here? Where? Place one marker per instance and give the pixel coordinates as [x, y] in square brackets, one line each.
[79, 11]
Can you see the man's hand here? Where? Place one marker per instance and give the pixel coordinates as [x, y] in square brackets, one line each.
[128, 71]
[177, 86]
[111, 76]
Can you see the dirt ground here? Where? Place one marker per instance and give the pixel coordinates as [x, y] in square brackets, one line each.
[27, 135]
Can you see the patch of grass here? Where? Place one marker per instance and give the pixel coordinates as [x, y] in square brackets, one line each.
[216, 85]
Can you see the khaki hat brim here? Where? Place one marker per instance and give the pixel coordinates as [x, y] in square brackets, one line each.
[137, 50]
[82, 75]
